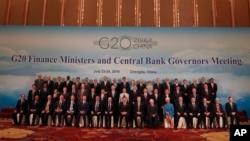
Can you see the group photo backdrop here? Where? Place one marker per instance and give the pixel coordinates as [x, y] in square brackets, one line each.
[137, 53]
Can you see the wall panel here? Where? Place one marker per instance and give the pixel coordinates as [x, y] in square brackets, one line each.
[223, 13]
[53, 12]
[3, 11]
[71, 13]
[242, 17]
[89, 17]
[166, 12]
[128, 13]
[147, 13]
[17, 10]
[186, 13]
[205, 15]
[35, 12]
[109, 9]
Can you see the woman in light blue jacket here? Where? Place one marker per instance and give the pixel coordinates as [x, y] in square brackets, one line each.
[168, 112]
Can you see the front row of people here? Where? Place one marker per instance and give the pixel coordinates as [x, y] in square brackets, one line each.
[85, 112]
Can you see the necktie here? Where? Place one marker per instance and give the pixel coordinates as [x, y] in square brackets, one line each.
[109, 107]
[138, 107]
[181, 105]
[96, 107]
[206, 107]
[218, 108]
[71, 106]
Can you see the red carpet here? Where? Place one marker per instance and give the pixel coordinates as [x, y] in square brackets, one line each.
[30, 133]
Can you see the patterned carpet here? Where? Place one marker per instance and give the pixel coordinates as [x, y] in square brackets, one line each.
[35, 133]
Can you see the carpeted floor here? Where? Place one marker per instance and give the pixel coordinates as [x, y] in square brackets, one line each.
[35, 133]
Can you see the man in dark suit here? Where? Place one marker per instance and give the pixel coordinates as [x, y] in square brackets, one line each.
[194, 84]
[139, 111]
[231, 109]
[87, 84]
[157, 98]
[152, 112]
[180, 111]
[115, 98]
[185, 90]
[47, 110]
[206, 109]
[83, 108]
[97, 110]
[71, 110]
[116, 84]
[167, 85]
[21, 109]
[55, 96]
[96, 86]
[212, 86]
[59, 84]
[193, 111]
[109, 109]
[201, 85]
[176, 94]
[124, 110]
[68, 83]
[103, 96]
[141, 86]
[124, 84]
[81, 92]
[39, 82]
[66, 94]
[44, 92]
[59, 109]
[50, 84]
[74, 92]
[105, 84]
[206, 93]
[176, 84]
[35, 109]
[77, 83]
[219, 112]
[195, 95]
[31, 95]
[157, 85]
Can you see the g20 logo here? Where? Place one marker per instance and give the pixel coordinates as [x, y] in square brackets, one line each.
[115, 43]
[125, 43]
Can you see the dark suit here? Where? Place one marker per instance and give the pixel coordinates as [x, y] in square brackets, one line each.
[230, 109]
[193, 111]
[21, 108]
[140, 88]
[124, 108]
[39, 83]
[97, 110]
[34, 109]
[126, 85]
[197, 98]
[213, 89]
[159, 87]
[207, 109]
[97, 87]
[62, 108]
[68, 85]
[106, 87]
[109, 112]
[103, 98]
[218, 110]
[175, 97]
[74, 111]
[44, 92]
[139, 108]
[185, 90]
[31, 96]
[82, 107]
[158, 101]
[46, 114]
[50, 86]
[80, 93]
[59, 86]
[152, 120]
[207, 94]
[180, 111]
[117, 87]
[167, 86]
[115, 100]
[78, 85]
